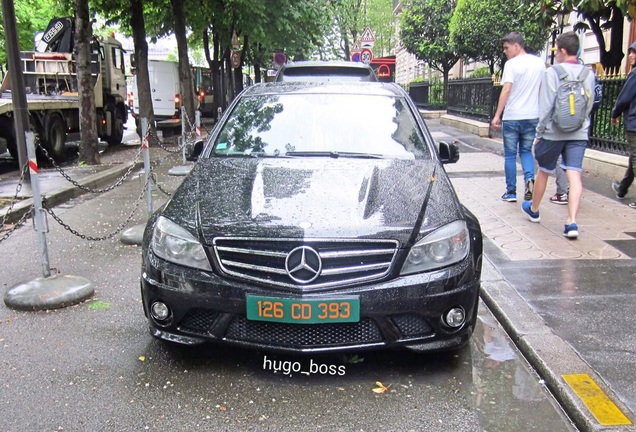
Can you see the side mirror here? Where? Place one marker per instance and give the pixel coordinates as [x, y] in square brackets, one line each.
[448, 153]
[133, 61]
[193, 153]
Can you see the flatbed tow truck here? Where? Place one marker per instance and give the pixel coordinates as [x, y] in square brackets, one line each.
[52, 94]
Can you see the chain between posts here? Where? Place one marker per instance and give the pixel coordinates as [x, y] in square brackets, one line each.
[153, 176]
[151, 133]
[86, 188]
[119, 228]
[23, 218]
[193, 127]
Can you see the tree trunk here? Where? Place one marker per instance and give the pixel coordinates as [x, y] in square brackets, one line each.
[216, 76]
[611, 60]
[88, 150]
[185, 71]
[138, 27]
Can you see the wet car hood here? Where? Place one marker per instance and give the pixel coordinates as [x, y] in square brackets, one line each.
[311, 198]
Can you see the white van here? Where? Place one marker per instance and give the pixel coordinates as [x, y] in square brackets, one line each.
[164, 90]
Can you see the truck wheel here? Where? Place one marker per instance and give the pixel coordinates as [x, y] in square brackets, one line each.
[55, 142]
[118, 126]
[7, 131]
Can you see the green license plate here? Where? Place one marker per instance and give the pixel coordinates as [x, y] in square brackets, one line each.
[296, 311]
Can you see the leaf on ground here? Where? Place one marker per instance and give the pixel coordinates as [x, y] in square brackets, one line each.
[99, 305]
[352, 359]
[142, 358]
[381, 388]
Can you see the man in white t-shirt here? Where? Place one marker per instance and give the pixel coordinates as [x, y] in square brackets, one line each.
[521, 80]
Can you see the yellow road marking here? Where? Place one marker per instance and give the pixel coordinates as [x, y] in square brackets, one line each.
[595, 399]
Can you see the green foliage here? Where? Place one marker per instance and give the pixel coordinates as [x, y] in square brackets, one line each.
[481, 72]
[597, 16]
[425, 32]
[29, 23]
[349, 18]
[478, 26]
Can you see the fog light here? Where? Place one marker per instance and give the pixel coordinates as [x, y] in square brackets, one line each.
[455, 317]
[159, 311]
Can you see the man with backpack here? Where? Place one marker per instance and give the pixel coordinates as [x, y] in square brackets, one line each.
[565, 103]
[626, 104]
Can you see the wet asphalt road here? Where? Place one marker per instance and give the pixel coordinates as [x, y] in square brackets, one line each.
[94, 366]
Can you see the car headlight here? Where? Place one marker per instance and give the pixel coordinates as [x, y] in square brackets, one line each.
[444, 246]
[173, 243]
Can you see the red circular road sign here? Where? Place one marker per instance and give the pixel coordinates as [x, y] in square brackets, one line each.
[280, 58]
[235, 59]
[366, 56]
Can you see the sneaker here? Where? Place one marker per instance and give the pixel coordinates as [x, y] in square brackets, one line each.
[558, 198]
[571, 231]
[632, 205]
[529, 189]
[510, 196]
[616, 186]
[526, 207]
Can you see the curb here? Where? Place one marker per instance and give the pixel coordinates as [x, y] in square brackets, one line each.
[547, 353]
[59, 196]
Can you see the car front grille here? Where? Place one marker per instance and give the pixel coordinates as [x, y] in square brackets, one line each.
[197, 321]
[341, 263]
[303, 335]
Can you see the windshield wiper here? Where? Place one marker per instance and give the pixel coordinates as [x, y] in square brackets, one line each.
[335, 154]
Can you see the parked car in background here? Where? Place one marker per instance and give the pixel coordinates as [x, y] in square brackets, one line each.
[326, 71]
[319, 217]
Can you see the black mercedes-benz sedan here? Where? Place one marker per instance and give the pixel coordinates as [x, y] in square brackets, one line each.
[318, 217]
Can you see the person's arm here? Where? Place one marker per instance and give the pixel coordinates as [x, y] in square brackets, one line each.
[503, 99]
[625, 98]
[547, 95]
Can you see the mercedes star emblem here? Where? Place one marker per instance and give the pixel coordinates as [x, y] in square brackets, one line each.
[303, 264]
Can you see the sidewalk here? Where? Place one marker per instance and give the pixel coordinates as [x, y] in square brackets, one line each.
[568, 305]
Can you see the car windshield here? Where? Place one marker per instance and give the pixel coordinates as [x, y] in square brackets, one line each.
[321, 125]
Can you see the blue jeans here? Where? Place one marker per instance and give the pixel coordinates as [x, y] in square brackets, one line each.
[518, 136]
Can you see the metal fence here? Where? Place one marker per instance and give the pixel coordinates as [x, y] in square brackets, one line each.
[472, 98]
[477, 98]
[604, 136]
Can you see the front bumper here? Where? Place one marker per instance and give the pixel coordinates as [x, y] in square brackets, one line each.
[402, 311]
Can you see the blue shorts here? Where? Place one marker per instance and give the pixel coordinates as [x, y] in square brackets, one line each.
[547, 153]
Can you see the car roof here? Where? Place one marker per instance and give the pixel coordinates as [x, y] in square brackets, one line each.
[320, 87]
[326, 70]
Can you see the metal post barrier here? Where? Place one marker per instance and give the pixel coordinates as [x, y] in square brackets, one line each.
[37, 204]
[184, 121]
[198, 123]
[47, 292]
[146, 151]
